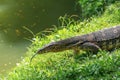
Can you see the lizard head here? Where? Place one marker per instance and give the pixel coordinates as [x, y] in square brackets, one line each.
[51, 47]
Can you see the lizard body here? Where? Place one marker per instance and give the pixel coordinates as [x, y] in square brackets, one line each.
[106, 39]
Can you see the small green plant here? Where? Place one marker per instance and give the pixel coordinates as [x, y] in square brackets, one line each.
[67, 20]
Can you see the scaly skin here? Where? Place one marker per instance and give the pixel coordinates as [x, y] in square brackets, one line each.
[106, 39]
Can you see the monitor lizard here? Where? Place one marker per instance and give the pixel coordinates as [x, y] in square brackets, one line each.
[106, 39]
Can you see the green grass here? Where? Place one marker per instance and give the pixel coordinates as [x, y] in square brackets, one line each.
[65, 65]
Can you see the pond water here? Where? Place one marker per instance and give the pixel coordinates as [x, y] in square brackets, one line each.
[36, 15]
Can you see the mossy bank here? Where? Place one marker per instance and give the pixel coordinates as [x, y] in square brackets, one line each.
[65, 65]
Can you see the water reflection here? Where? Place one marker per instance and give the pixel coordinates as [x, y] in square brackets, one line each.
[35, 14]
[11, 53]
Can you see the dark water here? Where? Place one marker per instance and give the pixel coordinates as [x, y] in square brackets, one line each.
[36, 15]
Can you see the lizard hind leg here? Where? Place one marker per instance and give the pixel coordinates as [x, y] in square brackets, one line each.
[90, 47]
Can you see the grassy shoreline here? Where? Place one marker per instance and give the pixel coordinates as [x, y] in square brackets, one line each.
[65, 65]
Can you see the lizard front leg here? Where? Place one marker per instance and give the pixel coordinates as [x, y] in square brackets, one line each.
[91, 47]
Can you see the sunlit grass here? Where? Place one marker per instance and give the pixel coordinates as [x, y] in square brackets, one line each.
[65, 65]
